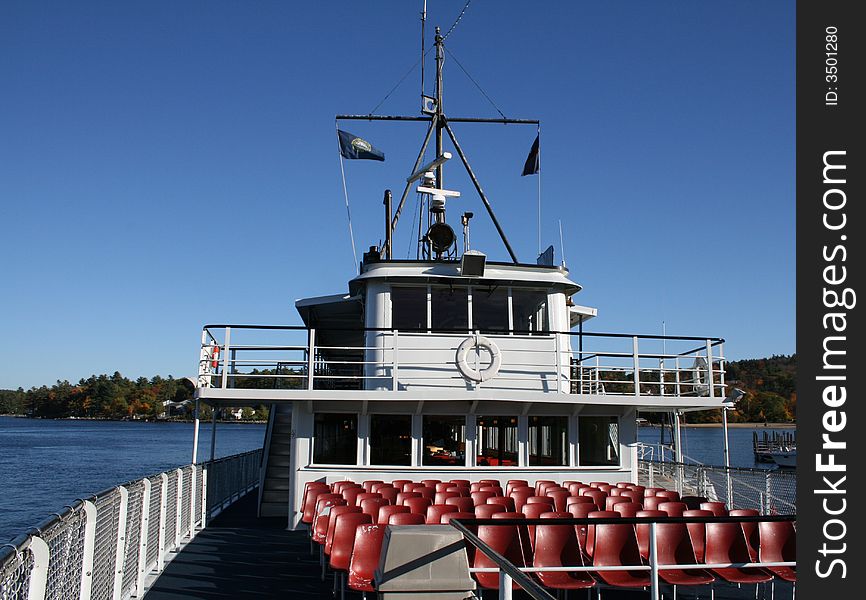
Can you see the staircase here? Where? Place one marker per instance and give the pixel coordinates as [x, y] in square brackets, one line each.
[275, 484]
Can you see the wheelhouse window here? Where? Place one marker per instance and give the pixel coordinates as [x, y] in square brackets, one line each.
[598, 441]
[336, 439]
[444, 440]
[490, 309]
[449, 309]
[548, 441]
[391, 440]
[497, 441]
[409, 308]
[530, 311]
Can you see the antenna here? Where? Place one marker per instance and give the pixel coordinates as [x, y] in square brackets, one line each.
[561, 244]
[423, 27]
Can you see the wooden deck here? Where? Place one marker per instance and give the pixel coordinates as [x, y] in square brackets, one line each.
[239, 556]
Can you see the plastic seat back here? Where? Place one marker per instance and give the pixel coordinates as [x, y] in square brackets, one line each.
[460, 503]
[434, 513]
[750, 529]
[446, 518]
[406, 519]
[431, 483]
[556, 546]
[460, 482]
[426, 492]
[559, 498]
[385, 513]
[336, 511]
[520, 494]
[673, 509]
[505, 501]
[368, 485]
[371, 506]
[504, 539]
[513, 483]
[726, 544]
[443, 486]
[323, 515]
[486, 511]
[418, 505]
[597, 496]
[441, 497]
[389, 494]
[365, 557]
[671, 495]
[717, 508]
[674, 547]
[481, 497]
[652, 502]
[403, 496]
[365, 496]
[350, 495]
[627, 509]
[642, 530]
[344, 538]
[577, 500]
[616, 545]
[778, 544]
[591, 529]
[311, 493]
[693, 502]
[697, 532]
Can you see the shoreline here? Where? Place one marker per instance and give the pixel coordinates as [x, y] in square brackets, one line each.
[736, 425]
[203, 422]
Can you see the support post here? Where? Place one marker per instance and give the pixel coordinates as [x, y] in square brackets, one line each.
[654, 562]
[225, 377]
[178, 507]
[505, 583]
[39, 572]
[142, 539]
[87, 550]
[636, 366]
[729, 490]
[395, 362]
[711, 386]
[387, 224]
[213, 426]
[120, 548]
[204, 497]
[163, 509]
[195, 432]
[311, 355]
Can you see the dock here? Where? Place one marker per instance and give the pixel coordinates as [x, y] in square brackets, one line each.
[772, 441]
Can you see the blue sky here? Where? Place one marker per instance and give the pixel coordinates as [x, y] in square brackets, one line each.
[165, 164]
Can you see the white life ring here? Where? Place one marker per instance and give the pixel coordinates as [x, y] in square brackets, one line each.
[495, 359]
[700, 372]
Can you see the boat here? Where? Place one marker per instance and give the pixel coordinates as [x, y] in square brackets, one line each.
[785, 456]
[448, 376]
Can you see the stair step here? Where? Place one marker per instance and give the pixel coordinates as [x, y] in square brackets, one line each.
[276, 485]
[281, 496]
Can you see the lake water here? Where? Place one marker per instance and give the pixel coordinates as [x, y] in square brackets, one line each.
[45, 464]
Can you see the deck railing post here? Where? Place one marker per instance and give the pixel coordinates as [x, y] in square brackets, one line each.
[178, 507]
[636, 366]
[505, 583]
[225, 377]
[395, 361]
[120, 548]
[311, 354]
[677, 378]
[142, 538]
[39, 572]
[654, 562]
[710, 383]
[88, 546]
[192, 515]
[558, 355]
[204, 497]
[163, 509]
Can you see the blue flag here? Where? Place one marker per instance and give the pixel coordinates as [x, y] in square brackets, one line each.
[532, 162]
[353, 147]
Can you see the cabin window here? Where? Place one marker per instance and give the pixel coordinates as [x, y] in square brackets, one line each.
[409, 308]
[490, 309]
[497, 441]
[449, 309]
[548, 441]
[530, 311]
[444, 440]
[391, 440]
[598, 441]
[336, 439]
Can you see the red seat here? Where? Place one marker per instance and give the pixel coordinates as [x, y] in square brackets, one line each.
[431, 483]
[389, 494]
[556, 546]
[606, 488]
[460, 482]
[574, 488]
[507, 541]
[581, 511]
[778, 544]
[440, 497]
[508, 503]
[443, 486]
[726, 544]
[693, 502]
[311, 493]
[399, 483]
[476, 486]
[673, 509]
[403, 496]
[486, 511]
[339, 486]
[344, 538]
[434, 513]
[634, 496]
[559, 498]
[624, 484]
[651, 491]
[462, 491]
[627, 509]
[577, 500]
[418, 505]
[385, 513]
[534, 511]
[615, 491]
[368, 485]
[366, 496]
[336, 511]
[406, 519]
[323, 514]
[351, 494]
[750, 530]
[411, 485]
[461, 504]
[597, 496]
[365, 557]
[426, 492]
[598, 484]
[674, 547]
[481, 497]
[638, 489]
[652, 502]
[698, 532]
[520, 494]
[616, 545]
[541, 500]
[611, 500]
[590, 530]
[371, 506]
[540, 484]
[378, 486]
[495, 489]
[513, 483]
[671, 495]
[446, 518]
[642, 530]
[717, 508]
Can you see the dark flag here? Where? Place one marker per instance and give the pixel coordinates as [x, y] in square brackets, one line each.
[351, 146]
[546, 257]
[532, 163]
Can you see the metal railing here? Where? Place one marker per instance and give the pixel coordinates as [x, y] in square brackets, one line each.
[509, 573]
[770, 491]
[105, 546]
[271, 356]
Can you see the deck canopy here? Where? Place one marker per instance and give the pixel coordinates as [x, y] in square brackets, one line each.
[338, 319]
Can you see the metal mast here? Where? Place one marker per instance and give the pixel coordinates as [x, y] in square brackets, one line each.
[440, 115]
